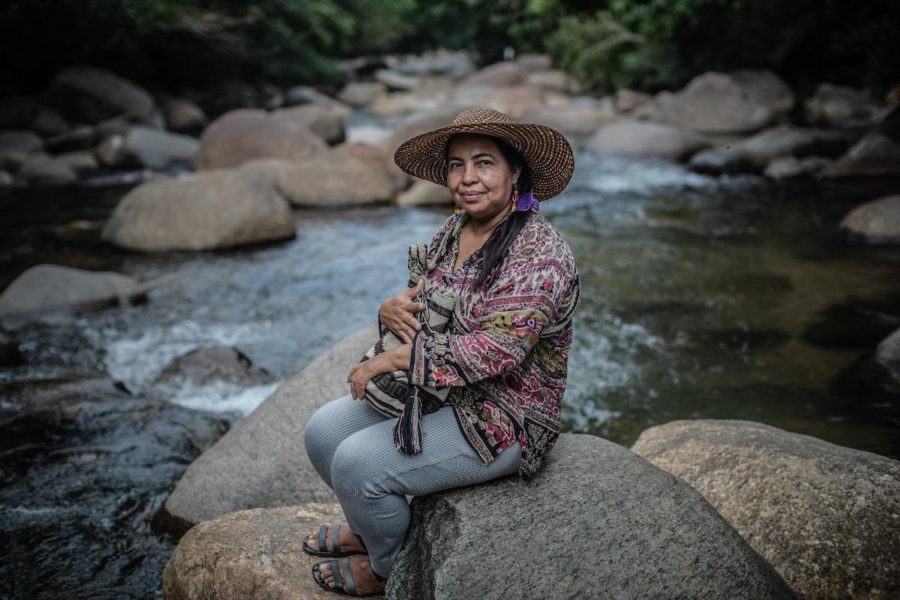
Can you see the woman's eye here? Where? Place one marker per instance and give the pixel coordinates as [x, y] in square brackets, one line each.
[484, 163]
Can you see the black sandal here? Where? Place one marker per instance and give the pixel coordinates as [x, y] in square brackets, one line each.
[335, 551]
[343, 580]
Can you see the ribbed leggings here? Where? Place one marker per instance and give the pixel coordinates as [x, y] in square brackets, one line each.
[352, 448]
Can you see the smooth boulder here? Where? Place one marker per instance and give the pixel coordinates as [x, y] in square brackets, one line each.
[158, 149]
[251, 554]
[502, 74]
[89, 95]
[654, 140]
[325, 121]
[840, 106]
[40, 168]
[203, 211]
[247, 134]
[48, 289]
[875, 222]
[874, 156]
[825, 516]
[597, 522]
[19, 141]
[262, 462]
[218, 363]
[425, 193]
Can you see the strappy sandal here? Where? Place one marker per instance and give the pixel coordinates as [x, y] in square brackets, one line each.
[335, 551]
[343, 578]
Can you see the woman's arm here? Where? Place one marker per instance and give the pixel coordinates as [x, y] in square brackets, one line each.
[395, 359]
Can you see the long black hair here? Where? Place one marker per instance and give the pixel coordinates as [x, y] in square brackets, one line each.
[495, 249]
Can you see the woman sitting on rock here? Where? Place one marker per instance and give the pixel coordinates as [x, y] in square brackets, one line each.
[504, 355]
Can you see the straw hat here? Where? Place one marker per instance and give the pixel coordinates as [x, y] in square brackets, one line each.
[547, 153]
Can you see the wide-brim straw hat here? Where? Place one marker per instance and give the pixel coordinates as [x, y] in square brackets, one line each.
[547, 153]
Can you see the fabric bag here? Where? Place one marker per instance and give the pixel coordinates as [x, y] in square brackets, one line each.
[388, 393]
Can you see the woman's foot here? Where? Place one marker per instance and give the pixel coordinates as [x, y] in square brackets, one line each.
[322, 542]
[352, 575]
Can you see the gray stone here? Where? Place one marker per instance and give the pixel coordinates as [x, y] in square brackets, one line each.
[753, 154]
[324, 121]
[184, 116]
[598, 522]
[840, 106]
[444, 63]
[6, 179]
[360, 94]
[158, 149]
[503, 74]
[247, 134]
[534, 62]
[577, 120]
[262, 462]
[874, 156]
[396, 81]
[46, 289]
[12, 160]
[417, 124]
[551, 79]
[205, 365]
[83, 137]
[875, 222]
[89, 95]
[304, 94]
[80, 161]
[826, 517]
[204, 211]
[425, 193]
[789, 167]
[636, 138]
[49, 123]
[111, 150]
[43, 169]
[628, 100]
[251, 554]
[20, 141]
[327, 180]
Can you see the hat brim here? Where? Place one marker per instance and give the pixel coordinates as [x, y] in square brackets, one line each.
[547, 153]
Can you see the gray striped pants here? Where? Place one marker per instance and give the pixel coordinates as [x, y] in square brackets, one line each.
[352, 448]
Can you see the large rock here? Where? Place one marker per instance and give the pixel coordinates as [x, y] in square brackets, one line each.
[218, 209]
[262, 462]
[252, 554]
[826, 517]
[206, 365]
[246, 134]
[324, 121]
[875, 222]
[425, 193]
[517, 100]
[49, 123]
[753, 154]
[40, 168]
[722, 103]
[89, 95]
[840, 106]
[578, 120]
[81, 161]
[47, 289]
[636, 138]
[19, 141]
[598, 522]
[82, 137]
[184, 116]
[503, 74]
[874, 377]
[327, 180]
[417, 124]
[158, 149]
[361, 94]
[874, 156]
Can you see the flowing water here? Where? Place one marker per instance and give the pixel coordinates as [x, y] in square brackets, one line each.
[699, 300]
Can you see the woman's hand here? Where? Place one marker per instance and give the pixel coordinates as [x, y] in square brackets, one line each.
[386, 362]
[398, 313]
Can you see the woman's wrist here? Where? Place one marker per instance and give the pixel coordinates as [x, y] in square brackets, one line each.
[400, 356]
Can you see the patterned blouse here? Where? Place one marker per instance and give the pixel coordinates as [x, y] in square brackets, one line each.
[506, 352]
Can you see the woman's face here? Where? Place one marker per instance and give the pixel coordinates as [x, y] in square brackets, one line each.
[478, 176]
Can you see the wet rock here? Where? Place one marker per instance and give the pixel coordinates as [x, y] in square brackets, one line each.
[219, 363]
[823, 515]
[262, 462]
[89, 95]
[49, 123]
[9, 350]
[81, 162]
[20, 141]
[753, 154]
[43, 169]
[304, 94]
[327, 180]
[47, 289]
[579, 120]
[875, 155]
[636, 138]
[184, 116]
[789, 167]
[875, 222]
[503, 74]
[203, 211]
[359, 94]
[83, 137]
[425, 193]
[249, 554]
[324, 121]
[720, 103]
[395, 81]
[247, 134]
[17, 111]
[593, 495]
[840, 106]
[158, 149]
[628, 100]
[856, 323]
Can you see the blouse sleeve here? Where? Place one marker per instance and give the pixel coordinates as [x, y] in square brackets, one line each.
[524, 302]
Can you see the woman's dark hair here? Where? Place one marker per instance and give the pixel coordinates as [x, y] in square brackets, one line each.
[495, 249]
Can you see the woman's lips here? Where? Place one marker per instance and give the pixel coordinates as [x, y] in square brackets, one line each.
[471, 196]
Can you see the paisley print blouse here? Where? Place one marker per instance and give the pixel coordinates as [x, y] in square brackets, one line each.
[506, 351]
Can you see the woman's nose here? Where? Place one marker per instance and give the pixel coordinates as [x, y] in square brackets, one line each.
[470, 174]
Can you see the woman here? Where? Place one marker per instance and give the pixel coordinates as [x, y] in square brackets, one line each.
[504, 356]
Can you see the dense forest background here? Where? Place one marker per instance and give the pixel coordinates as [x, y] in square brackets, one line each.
[643, 44]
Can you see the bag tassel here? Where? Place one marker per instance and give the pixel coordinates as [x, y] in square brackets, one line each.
[408, 430]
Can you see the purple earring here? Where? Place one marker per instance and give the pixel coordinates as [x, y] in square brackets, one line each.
[526, 201]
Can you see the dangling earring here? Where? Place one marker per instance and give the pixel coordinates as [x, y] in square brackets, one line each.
[515, 195]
